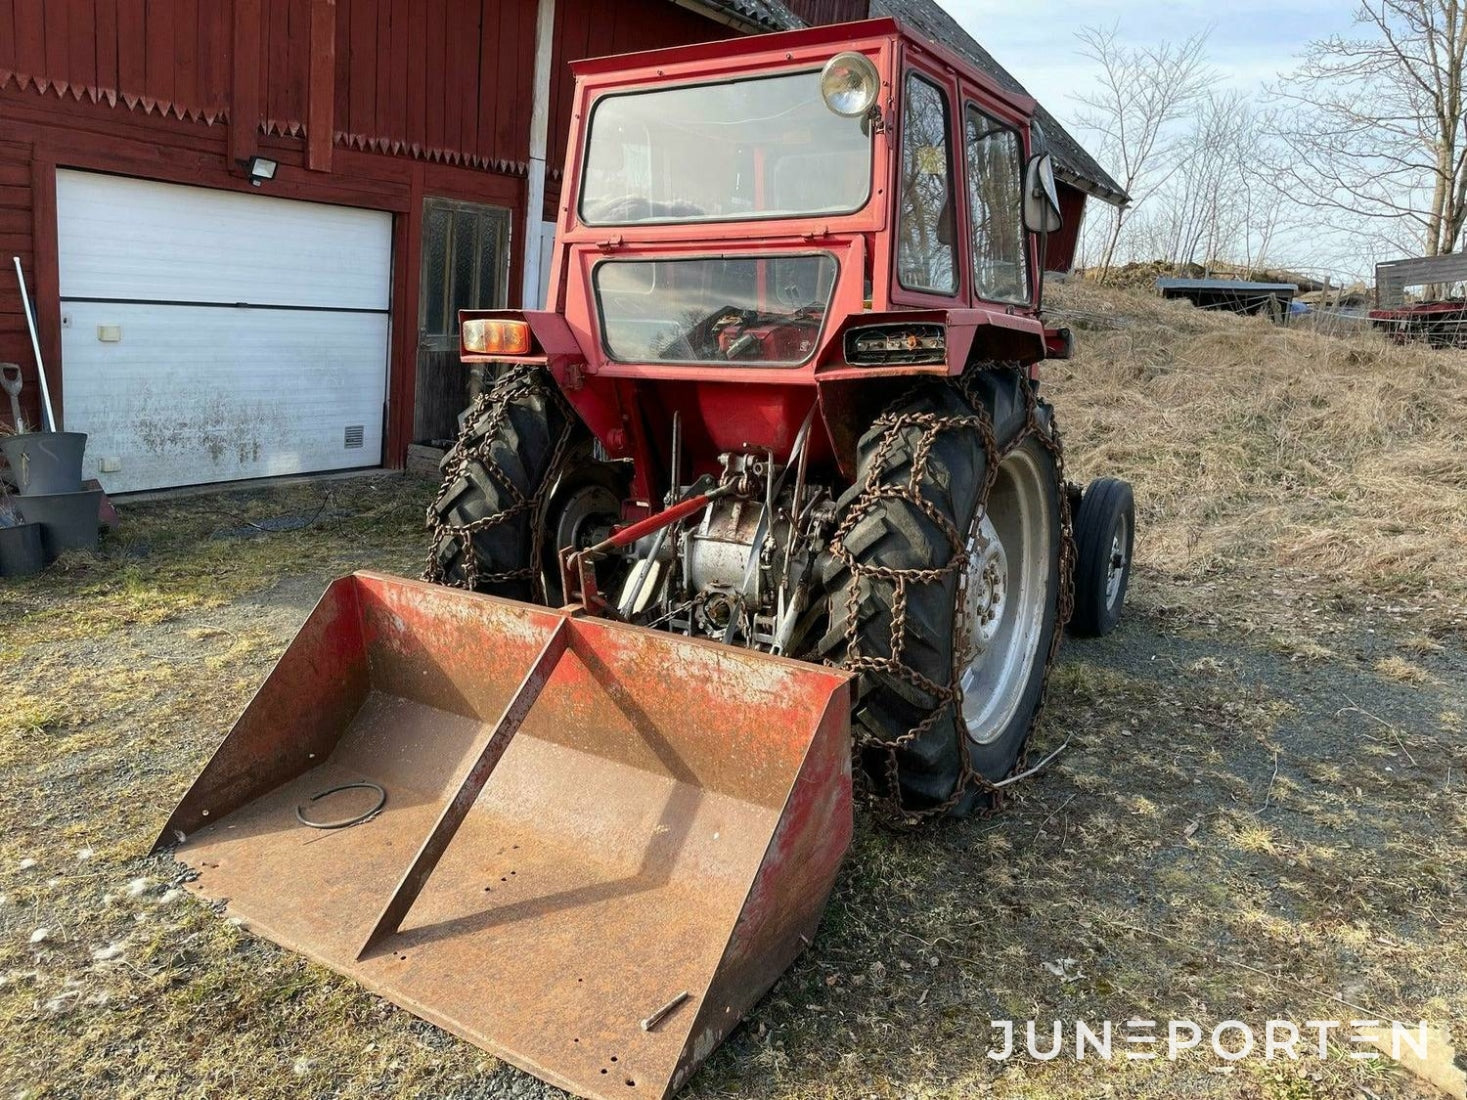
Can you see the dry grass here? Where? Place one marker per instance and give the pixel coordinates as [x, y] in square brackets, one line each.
[1340, 462]
[1205, 851]
[1398, 668]
[1213, 845]
[1244, 827]
[123, 670]
[187, 554]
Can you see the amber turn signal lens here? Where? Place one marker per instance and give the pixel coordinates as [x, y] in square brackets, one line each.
[492, 337]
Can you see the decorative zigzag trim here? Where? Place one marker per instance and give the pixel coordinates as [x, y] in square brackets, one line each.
[149, 105]
[293, 128]
[399, 147]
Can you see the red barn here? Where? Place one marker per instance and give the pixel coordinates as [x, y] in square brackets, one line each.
[247, 225]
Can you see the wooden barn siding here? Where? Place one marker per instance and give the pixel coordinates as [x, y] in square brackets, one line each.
[285, 63]
[816, 12]
[39, 133]
[141, 77]
[1061, 247]
[144, 88]
[172, 52]
[16, 239]
[437, 75]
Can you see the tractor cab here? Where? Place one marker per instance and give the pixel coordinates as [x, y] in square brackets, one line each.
[735, 208]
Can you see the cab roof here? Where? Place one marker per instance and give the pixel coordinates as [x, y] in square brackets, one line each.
[927, 23]
[834, 35]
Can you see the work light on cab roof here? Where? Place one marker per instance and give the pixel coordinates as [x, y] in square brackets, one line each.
[849, 84]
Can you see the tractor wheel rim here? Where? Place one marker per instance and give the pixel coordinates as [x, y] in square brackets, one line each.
[1116, 568]
[582, 508]
[1003, 596]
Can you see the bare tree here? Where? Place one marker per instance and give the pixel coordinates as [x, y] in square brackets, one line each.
[1222, 204]
[1264, 206]
[1375, 126]
[1142, 93]
[1202, 199]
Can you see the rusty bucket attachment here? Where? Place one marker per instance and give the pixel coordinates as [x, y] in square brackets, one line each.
[585, 847]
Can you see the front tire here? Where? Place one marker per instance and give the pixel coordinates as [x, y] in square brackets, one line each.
[947, 579]
[1105, 533]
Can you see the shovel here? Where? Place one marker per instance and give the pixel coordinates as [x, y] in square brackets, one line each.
[10, 382]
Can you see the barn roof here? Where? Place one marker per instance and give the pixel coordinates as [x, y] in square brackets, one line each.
[1072, 163]
[749, 15]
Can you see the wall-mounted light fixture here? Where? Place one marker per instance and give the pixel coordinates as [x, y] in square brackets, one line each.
[260, 169]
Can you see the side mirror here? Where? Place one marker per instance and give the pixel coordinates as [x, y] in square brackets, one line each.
[1041, 199]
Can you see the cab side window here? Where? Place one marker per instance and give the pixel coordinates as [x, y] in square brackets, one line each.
[927, 255]
[995, 196]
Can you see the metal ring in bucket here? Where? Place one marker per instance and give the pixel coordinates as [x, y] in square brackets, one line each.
[373, 812]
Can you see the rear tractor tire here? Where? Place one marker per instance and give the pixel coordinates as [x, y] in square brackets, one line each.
[947, 582]
[489, 516]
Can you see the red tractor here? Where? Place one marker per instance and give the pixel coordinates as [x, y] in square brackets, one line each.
[783, 403]
[785, 392]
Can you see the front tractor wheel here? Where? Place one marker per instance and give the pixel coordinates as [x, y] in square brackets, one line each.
[946, 579]
[1105, 534]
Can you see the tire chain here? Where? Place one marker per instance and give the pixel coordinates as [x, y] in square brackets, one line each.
[516, 383]
[528, 381]
[894, 424]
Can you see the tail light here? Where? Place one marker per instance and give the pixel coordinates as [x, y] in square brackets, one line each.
[911, 343]
[492, 336]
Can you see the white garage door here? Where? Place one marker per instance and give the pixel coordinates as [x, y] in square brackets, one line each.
[211, 336]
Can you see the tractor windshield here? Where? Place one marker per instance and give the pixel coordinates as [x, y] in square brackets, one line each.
[765, 147]
[753, 310]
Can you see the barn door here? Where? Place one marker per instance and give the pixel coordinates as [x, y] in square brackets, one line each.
[465, 266]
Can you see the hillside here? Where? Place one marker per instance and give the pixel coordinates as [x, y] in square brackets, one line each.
[1275, 464]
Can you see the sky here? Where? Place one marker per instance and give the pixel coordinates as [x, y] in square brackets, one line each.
[1250, 43]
